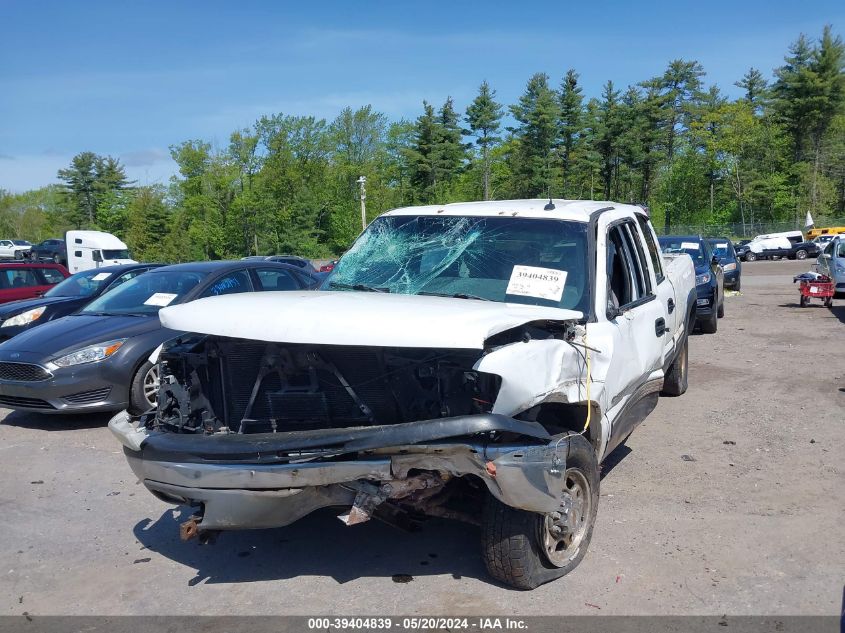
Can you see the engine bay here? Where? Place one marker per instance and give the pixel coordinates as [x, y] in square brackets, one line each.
[212, 384]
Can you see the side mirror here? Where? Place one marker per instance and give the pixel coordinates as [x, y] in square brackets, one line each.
[97, 256]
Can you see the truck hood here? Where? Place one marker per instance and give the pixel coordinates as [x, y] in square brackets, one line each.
[356, 318]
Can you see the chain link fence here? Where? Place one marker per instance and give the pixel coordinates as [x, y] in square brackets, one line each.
[739, 231]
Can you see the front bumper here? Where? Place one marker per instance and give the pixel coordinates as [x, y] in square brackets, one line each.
[86, 388]
[704, 304]
[274, 479]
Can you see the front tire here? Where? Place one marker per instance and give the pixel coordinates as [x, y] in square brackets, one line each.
[711, 324]
[721, 312]
[676, 381]
[526, 549]
[750, 256]
[144, 389]
[57, 259]
[801, 254]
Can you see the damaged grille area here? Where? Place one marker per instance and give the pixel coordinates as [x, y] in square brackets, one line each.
[216, 384]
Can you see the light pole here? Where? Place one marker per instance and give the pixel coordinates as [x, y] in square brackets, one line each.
[362, 180]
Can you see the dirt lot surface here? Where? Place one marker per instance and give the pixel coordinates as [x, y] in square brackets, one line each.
[729, 500]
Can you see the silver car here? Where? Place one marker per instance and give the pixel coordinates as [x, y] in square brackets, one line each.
[831, 262]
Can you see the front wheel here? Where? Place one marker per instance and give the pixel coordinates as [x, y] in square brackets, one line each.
[801, 254]
[721, 311]
[711, 324]
[750, 256]
[526, 549]
[57, 259]
[144, 389]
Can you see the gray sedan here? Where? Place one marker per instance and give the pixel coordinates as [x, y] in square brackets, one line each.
[97, 359]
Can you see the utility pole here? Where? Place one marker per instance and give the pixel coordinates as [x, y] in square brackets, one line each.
[362, 180]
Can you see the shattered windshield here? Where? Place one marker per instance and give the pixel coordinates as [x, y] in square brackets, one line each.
[508, 259]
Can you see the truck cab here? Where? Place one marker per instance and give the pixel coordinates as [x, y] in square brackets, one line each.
[95, 249]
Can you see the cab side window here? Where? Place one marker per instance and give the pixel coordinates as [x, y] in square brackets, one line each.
[653, 250]
[628, 280]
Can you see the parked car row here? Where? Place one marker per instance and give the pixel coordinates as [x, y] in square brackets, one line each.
[84, 345]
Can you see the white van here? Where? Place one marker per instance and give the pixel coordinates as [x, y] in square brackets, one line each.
[93, 249]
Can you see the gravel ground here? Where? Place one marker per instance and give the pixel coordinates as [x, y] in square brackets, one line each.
[751, 524]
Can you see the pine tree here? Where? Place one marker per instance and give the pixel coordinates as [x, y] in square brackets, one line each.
[448, 151]
[607, 136]
[571, 122]
[484, 116]
[421, 155]
[537, 114]
[755, 86]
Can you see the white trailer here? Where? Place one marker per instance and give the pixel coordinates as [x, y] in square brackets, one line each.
[93, 249]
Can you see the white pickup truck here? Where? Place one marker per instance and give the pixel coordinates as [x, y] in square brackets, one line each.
[471, 361]
[14, 249]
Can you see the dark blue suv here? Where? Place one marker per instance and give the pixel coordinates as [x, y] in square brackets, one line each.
[724, 249]
[709, 277]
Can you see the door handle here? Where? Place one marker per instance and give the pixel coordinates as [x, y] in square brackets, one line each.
[660, 327]
[671, 305]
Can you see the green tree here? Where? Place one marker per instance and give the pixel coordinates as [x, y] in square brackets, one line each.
[754, 85]
[484, 115]
[571, 123]
[537, 115]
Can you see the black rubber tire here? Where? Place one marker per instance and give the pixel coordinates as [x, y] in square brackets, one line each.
[721, 311]
[750, 256]
[738, 284]
[510, 538]
[18, 256]
[803, 301]
[138, 403]
[676, 380]
[710, 325]
[801, 254]
[57, 259]
[828, 302]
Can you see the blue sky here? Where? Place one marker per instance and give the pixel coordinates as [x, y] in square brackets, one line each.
[130, 79]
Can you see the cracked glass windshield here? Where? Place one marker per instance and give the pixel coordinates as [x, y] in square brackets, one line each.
[514, 260]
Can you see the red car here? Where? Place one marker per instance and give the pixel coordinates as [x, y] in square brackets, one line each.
[26, 281]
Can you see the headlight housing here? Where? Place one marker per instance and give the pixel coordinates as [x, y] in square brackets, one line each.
[730, 267]
[90, 354]
[24, 318]
[704, 278]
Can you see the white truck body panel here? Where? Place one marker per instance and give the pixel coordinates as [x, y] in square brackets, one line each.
[390, 320]
[93, 249]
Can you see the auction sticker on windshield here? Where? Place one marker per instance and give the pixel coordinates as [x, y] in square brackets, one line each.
[160, 299]
[691, 246]
[100, 276]
[542, 283]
